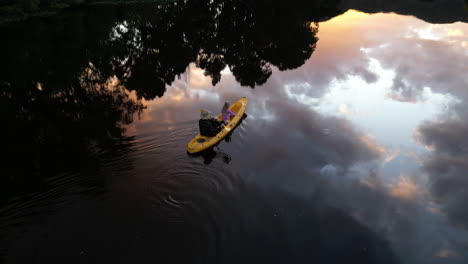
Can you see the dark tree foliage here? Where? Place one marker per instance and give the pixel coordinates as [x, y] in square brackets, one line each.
[247, 36]
[57, 111]
[54, 92]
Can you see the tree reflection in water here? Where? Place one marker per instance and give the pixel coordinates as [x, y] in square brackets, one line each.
[66, 80]
[59, 111]
[157, 44]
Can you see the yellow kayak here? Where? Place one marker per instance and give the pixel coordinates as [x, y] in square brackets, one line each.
[199, 142]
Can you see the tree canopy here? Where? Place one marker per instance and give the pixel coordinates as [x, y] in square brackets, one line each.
[55, 88]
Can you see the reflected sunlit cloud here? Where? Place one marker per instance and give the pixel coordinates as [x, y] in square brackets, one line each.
[405, 188]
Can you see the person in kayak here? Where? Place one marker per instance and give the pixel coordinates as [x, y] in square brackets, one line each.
[209, 126]
[227, 113]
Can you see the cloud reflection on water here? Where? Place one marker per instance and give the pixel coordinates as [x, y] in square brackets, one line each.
[299, 146]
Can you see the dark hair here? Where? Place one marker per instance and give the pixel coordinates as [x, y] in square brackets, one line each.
[225, 107]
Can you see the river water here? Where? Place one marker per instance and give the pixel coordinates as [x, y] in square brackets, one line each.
[353, 149]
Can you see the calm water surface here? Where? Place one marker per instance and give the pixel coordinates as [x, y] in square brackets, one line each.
[353, 149]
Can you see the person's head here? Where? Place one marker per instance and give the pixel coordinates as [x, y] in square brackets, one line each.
[226, 106]
[204, 114]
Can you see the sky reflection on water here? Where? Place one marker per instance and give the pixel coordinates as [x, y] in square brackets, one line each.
[374, 122]
[359, 154]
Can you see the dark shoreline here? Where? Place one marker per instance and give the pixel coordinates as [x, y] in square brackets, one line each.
[14, 14]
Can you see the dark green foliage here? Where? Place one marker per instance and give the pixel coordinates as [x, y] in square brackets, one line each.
[60, 114]
[17, 10]
[11, 11]
[247, 36]
[53, 92]
[29, 5]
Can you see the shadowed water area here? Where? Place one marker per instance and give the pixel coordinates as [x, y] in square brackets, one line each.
[353, 148]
